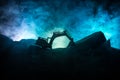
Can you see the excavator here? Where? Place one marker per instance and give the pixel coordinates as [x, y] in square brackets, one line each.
[47, 42]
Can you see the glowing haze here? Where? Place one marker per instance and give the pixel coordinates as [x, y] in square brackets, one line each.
[31, 18]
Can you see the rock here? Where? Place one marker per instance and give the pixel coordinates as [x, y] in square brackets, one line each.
[92, 41]
[5, 43]
[91, 57]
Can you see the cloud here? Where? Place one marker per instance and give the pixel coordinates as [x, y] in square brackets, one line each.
[30, 19]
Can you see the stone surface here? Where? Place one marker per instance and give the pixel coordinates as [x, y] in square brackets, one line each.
[91, 57]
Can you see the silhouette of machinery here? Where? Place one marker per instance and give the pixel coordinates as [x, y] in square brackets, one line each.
[43, 42]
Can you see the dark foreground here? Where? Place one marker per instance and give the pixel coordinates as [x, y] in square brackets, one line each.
[91, 58]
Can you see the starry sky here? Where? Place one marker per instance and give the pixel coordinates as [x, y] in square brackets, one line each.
[28, 19]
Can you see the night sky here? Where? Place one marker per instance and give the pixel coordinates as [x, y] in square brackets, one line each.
[28, 19]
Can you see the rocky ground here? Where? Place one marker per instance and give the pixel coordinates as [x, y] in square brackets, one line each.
[91, 57]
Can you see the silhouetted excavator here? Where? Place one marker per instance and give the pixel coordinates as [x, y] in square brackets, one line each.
[43, 42]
